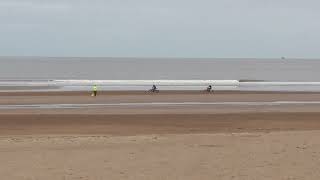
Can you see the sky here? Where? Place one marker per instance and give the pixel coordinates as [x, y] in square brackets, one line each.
[161, 28]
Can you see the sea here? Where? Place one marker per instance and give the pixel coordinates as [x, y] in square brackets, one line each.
[282, 74]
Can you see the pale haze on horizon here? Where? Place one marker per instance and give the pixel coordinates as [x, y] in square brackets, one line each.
[166, 28]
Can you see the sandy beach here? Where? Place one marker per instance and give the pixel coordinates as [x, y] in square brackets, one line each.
[159, 90]
[166, 141]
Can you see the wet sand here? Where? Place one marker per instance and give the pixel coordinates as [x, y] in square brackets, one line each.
[140, 124]
[160, 142]
[164, 119]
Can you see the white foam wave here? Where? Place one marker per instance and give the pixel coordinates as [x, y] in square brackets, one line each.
[150, 82]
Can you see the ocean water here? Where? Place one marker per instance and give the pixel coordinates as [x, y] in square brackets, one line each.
[26, 69]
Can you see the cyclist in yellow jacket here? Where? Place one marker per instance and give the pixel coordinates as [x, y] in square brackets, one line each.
[95, 90]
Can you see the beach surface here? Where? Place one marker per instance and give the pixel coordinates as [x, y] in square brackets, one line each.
[167, 135]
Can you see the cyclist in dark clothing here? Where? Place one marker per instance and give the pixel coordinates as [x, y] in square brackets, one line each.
[209, 88]
[154, 88]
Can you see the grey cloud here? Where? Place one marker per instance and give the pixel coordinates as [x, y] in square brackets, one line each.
[184, 28]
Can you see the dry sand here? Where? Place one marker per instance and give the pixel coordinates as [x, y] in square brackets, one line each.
[176, 142]
[245, 156]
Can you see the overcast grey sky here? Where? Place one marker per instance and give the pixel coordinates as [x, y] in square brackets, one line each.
[160, 28]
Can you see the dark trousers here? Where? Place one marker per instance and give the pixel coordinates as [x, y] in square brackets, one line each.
[95, 93]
